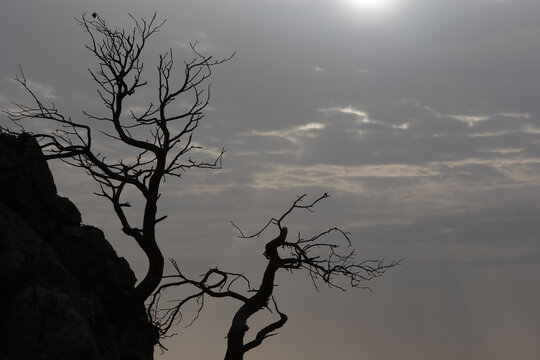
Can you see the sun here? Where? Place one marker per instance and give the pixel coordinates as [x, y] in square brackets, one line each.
[370, 6]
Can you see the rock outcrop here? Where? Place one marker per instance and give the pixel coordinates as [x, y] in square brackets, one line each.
[61, 283]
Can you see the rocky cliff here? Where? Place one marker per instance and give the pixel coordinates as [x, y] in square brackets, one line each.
[60, 282]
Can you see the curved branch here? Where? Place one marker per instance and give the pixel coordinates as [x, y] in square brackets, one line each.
[220, 287]
[268, 330]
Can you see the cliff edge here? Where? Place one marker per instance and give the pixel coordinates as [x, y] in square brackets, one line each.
[61, 282]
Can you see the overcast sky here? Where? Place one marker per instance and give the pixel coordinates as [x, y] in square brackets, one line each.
[419, 117]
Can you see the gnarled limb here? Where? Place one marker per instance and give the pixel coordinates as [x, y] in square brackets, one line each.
[322, 256]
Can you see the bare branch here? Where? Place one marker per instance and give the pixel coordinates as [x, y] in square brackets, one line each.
[326, 257]
[268, 330]
[160, 143]
[215, 283]
[159, 139]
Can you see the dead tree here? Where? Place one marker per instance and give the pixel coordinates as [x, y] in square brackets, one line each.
[158, 139]
[326, 257]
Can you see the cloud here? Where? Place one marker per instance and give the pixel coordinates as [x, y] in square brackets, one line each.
[295, 134]
[528, 129]
[43, 91]
[460, 185]
[363, 117]
[504, 151]
[470, 120]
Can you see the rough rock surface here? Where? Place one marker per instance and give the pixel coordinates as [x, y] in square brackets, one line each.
[61, 282]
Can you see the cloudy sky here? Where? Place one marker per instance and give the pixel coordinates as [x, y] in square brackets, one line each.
[419, 117]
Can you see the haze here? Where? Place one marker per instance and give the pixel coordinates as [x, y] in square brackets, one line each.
[419, 117]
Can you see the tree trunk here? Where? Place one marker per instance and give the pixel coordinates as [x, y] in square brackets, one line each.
[152, 279]
[239, 327]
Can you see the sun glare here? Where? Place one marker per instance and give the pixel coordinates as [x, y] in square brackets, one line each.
[370, 6]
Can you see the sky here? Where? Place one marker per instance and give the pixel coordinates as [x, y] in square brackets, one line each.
[421, 118]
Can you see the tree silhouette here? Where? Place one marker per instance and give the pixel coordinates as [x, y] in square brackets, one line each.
[159, 142]
[323, 256]
[159, 138]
